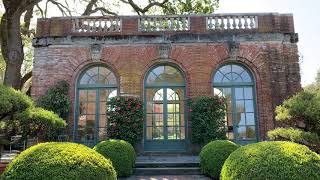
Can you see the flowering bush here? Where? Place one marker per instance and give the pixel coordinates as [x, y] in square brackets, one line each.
[207, 119]
[125, 116]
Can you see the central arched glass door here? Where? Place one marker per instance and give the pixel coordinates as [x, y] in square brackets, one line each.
[165, 127]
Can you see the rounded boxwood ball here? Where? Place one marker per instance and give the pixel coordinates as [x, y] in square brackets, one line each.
[213, 155]
[121, 153]
[272, 160]
[56, 160]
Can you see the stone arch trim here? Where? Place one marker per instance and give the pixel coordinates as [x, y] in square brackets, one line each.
[149, 66]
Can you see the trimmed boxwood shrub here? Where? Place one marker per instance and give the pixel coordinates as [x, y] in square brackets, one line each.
[121, 153]
[207, 119]
[59, 161]
[38, 122]
[125, 119]
[213, 155]
[272, 160]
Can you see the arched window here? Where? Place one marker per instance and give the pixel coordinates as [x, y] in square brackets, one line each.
[95, 86]
[237, 85]
[165, 109]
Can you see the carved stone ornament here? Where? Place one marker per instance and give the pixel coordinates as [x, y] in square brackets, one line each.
[96, 52]
[233, 50]
[164, 50]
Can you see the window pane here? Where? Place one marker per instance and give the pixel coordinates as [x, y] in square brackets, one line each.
[246, 77]
[242, 132]
[91, 109]
[240, 106]
[165, 74]
[239, 93]
[98, 75]
[157, 133]
[241, 119]
[249, 106]
[250, 119]
[157, 108]
[218, 77]
[91, 95]
[251, 133]
[225, 69]
[248, 93]
[217, 92]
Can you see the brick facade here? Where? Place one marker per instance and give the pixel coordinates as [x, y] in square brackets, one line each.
[273, 60]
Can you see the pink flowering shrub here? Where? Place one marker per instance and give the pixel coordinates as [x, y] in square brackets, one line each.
[125, 117]
[207, 119]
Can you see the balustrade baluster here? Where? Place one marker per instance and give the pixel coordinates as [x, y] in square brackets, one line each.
[228, 22]
[178, 23]
[222, 23]
[234, 23]
[251, 22]
[246, 22]
[240, 22]
[216, 22]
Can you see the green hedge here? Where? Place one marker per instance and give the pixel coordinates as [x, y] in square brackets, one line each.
[38, 122]
[214, 154]
[56, 161]
[207, 119]
[272, 160]
[121, 153]
[125, 119]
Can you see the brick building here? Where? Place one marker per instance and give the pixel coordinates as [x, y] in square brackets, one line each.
[251, 59]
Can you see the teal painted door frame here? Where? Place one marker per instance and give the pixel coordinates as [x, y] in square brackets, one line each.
[166, 144]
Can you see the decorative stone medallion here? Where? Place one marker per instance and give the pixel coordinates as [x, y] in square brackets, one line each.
[164, 50]
[96, 52]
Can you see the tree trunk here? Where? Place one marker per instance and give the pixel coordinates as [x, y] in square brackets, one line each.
[12, 49]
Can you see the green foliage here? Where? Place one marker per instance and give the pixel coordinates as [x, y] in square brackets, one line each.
[121, 154]
[57, 99]
[272, 160]
[191, 6]
[12, 101]
[303, 107]
[59, 161]
[207, 119]
[214, 154]
[38, 122]
[125, 117]
[309, 139]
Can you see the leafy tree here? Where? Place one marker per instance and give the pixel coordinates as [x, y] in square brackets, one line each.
[12, 30]
[301, 111]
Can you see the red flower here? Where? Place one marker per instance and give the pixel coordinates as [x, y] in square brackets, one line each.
[190, 110]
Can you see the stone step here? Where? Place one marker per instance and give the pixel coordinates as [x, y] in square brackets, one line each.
[168, 171]
[166, 164]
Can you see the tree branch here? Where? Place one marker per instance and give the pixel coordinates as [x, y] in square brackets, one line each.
[145, 9]
[63, 9]
[25, 78]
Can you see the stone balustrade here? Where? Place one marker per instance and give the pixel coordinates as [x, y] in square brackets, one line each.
[232, 22]
[170, 25]
[96, 24]
[164, 23]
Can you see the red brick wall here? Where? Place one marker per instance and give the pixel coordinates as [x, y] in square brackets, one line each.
[274, 66]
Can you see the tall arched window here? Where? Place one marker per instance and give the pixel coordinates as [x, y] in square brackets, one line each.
[95, 85]
[165, 109]
[237, 85]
